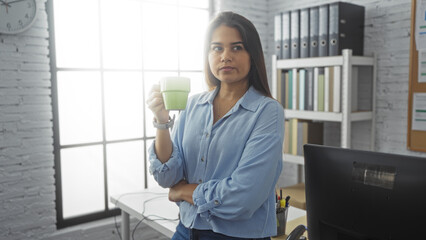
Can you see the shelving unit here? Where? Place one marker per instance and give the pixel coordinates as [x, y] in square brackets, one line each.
[346, 61]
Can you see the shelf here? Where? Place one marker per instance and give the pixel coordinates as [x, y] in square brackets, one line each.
[289, 158]
[326, 116]
[322, 62]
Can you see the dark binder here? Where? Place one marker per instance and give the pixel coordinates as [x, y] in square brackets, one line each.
[304, 33]
[346, 28]
[323, 30]
[313, 31]
[286, 34]
[295, 34]
[278, 37]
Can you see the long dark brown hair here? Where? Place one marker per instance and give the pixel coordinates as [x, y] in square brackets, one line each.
[251, 41]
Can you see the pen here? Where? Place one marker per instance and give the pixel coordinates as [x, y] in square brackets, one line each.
[286, 200]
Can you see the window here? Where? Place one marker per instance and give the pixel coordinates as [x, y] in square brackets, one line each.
[105, 56]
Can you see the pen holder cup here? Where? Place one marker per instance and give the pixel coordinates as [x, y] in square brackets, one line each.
[281, 220]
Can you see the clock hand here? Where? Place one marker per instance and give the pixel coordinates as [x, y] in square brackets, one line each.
[6, 5]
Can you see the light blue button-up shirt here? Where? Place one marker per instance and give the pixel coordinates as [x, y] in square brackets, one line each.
[236, 162]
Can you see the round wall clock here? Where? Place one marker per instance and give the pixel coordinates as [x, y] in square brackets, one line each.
[17, 15]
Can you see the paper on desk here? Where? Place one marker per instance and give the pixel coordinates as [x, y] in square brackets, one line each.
[420, 25]
[419, 112]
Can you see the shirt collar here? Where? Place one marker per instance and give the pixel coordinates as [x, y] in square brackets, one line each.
[249, 101]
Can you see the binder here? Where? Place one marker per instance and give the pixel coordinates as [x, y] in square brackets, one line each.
[313, 31]
[331, 89]
[304, 33]
[346, 28]
[278, 36]
[286, 26]
[323, 30]
[295, 34]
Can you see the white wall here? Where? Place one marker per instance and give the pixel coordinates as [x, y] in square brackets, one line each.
[27, 191]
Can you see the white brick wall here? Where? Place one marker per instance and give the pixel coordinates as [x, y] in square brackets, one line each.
[27, 190]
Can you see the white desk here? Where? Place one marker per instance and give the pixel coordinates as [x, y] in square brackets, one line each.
[158, 205]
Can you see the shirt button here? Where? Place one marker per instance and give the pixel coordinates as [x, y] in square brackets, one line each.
[202, 159]
[207, 135]
[200, 181]
[216, 202]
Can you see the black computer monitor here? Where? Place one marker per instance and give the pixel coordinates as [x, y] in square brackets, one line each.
[362, 195]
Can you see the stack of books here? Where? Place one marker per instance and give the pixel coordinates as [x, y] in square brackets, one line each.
[298, 133]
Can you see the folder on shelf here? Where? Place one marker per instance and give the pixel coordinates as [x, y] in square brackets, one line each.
[346, 28]
[302, 81]
[330, 88]
[309, 93]
[278, 37]
[286, 26]
[326, 88]
[336, 88]
[309, 132]
[279, 86]
[295, 87]
[290, 89]
[321, 92]
[295, 34]
[287, 87]
[286, 147]
[313, 31]
[323, 30]
[293, 135]
[304, 33]
[315, 99]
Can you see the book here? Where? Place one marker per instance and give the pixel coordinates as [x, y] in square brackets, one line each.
[336, 88]
[326, 88]
[309, 103]
[286, 148]
[286, 94]
[315, 99]
[330, 89]
[302, 81]
[295, 87]
[321, 92]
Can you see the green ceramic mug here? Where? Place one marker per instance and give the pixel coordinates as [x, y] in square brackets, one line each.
[175, 92]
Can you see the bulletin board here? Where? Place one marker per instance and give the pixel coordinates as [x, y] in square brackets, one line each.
[416, 134]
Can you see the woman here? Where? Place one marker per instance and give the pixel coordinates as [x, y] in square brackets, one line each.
[225, 153]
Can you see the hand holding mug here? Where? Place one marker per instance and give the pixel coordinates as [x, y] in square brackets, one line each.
[155, 102]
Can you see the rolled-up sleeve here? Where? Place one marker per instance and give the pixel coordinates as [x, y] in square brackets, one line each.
[237, 197]
[169, 173]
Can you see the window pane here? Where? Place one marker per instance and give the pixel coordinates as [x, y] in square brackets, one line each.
[151, 78]
[195, 3]
[82, 180]
[191, 37]
[151, 181]
[123, 105]
[125, 168]
[77, 38]
[198, 84]
[160, 37]
[122, 34]
[79, 104]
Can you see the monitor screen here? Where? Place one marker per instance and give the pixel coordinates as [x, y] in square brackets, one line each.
[362, 195]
